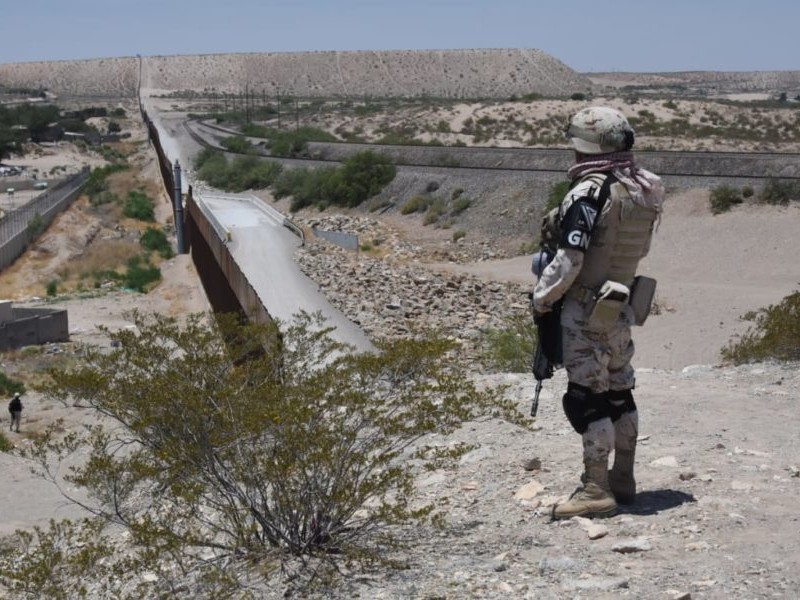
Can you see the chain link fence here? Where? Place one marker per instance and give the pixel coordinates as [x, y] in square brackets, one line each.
[19, 227]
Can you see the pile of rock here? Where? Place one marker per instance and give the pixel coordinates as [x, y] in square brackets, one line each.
[389, 298]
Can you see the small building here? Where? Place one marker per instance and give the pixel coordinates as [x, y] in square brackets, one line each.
[31, 326]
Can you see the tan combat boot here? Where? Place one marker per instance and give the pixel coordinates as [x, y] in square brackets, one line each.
[594, 500]
[620, 477]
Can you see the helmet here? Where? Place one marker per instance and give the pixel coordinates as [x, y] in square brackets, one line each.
[599, 130]
[16, 394]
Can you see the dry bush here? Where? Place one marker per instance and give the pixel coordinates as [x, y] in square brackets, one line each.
[104, 255]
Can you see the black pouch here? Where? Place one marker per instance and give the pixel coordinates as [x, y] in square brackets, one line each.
[643, 291]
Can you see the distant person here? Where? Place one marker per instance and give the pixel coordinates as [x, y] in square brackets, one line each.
[15, 409]
[605, 225]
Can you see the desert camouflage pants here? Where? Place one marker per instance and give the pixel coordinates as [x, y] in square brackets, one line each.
[597, 359]
[600, 360]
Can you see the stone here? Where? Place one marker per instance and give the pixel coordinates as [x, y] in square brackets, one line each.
[532, 464]
[597, 583]
[529, 491]
[597, 531]
[559, 564]
[665, 461]
[638, 544]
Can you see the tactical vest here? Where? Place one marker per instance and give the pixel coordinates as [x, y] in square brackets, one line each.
[620, 239]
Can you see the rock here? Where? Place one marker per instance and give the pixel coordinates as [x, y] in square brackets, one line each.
[559, 564]
[665, 461]
[532, 464]
[596, 532]
[639, 544]
[694, 546]
[742, 486]
[681, 596]
[597, 583]
[529, 490]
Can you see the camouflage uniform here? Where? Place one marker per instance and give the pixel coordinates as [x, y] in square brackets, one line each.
[597, 357]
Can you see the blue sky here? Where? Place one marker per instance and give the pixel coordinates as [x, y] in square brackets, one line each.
[587, 35]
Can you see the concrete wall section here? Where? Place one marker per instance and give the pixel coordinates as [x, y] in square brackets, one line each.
[30, 326]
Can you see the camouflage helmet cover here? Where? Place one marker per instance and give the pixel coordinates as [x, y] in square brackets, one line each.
[599, 130]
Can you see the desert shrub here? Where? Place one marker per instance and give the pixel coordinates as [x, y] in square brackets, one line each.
[52, 288]
[456, 193]
[578, 96]
[509, 348]
[285, 453]
[5, 445]
[747, 191]
[295, 143]
[9, 386]
[156, 240]
[556, 195]
[723, 198]
[415, 204]
[96, 182]
[36, 224]
[435, 210]
[242, 173]
[775, 334]
[139, 206]
[458, 234]
[238, 144]
[360, 177]
[378, 203]
[777, 191]
[460, 205]
[431, 187]
[104, 197]
[114, 127]
[140, 274]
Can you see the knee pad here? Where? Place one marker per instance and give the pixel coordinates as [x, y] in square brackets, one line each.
[619, 403]
[582, 406]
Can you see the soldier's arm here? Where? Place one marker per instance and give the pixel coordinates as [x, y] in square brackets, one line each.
[561, 273]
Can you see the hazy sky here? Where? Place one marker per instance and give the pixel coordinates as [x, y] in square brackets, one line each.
[587, 35]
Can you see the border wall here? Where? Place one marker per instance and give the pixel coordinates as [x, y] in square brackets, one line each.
[15, 233]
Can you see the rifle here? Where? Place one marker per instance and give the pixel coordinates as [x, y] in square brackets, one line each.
[547, 356]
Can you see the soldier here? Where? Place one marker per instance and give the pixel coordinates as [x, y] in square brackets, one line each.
[15, 409]
[606, 222]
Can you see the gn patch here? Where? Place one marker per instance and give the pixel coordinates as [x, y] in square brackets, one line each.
[577, 225]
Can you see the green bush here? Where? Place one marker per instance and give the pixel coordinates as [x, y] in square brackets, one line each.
[104, 197]
[723, 198]
[139, 206]
[140, 274]
[777, 191]
[52, 288]
[458, 234]
[360, 177]
[460, 205]
[5, 445]
[556, 195]
[156, 240]
[96, 182]
[36, 224]
[241, 173]
[237, 144]
[747, 191]
[285, 454]
[10, 386]
[415, 204]
[510, 349]
[774, 335]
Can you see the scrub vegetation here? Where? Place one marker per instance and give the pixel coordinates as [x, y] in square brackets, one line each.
[281, 454]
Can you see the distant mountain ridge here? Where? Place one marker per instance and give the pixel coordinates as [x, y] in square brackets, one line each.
[476, 73]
